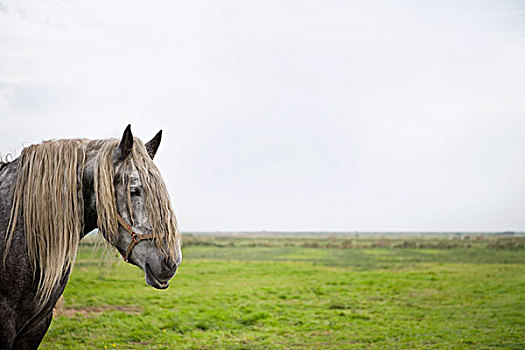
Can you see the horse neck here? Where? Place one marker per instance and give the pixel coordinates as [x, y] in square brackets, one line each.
[88, 192]
[8, 172]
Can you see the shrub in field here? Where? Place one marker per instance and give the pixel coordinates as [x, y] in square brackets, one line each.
[513, 243]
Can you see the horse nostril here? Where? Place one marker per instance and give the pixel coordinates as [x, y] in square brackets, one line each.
[169, 264]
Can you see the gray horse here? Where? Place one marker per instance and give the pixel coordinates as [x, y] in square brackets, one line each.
[51, 197]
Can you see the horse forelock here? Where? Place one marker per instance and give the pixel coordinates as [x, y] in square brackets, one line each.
[157, 202]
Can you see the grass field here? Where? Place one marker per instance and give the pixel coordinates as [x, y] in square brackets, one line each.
[291, 293]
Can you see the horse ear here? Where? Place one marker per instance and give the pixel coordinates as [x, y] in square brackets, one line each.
[126, 144]
[153, 145]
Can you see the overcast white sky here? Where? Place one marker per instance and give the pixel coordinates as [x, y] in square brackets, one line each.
[287, 114]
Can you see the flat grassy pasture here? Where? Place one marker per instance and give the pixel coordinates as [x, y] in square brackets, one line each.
[243, 293]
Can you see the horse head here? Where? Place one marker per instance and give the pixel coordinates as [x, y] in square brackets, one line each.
[133, 208]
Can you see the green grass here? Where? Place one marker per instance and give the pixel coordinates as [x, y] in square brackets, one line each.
[278, 296]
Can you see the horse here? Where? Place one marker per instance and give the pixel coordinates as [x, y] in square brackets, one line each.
[51, 197]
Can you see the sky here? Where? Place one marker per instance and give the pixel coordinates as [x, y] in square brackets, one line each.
[284, 114]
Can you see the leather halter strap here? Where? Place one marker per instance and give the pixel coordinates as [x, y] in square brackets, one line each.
[135, 237]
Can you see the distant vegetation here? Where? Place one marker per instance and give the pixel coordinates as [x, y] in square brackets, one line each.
[348, 241]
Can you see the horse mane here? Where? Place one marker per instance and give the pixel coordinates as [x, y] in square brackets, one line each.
[48, 195]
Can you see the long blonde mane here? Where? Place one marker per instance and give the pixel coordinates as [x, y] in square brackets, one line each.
[48, 197]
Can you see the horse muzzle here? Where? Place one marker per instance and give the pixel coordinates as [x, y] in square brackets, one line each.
[159, 274]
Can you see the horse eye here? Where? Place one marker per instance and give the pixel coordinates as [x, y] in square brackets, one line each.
[134, 191]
